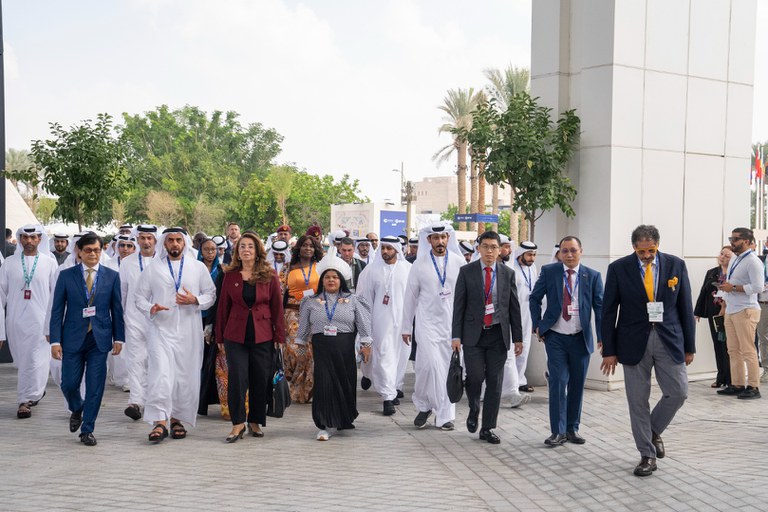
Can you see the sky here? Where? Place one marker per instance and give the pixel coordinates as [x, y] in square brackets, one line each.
[352, 85]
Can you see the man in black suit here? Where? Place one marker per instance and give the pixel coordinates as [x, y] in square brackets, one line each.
[648, 324]
[347, 253]
[486, 314]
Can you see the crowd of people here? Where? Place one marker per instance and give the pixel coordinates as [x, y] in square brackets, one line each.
[181, 323]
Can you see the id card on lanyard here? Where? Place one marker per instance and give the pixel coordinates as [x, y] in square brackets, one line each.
[90, 309]
[176, 281]
[330, 330]
[28, 277]
[573, 307]
[308, 292]
[444, 294]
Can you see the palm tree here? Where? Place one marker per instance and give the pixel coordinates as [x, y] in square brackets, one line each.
[503, 86]
[458, 105]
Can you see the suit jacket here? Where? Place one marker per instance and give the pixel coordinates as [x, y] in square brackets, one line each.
[625, 324]
[232, 311]
[469, 304]
[550, 284]
[67, 325]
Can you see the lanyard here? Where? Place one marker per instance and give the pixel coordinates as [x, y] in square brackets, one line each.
[28, 277]
[330, 313]
[141, 263]
[490, 290]
[568, 288]
[89, 296]
[526, 277]
[176, 282]
[389, 278]
[736, 263]
[118, 262]
[307, 276]
[443, 277]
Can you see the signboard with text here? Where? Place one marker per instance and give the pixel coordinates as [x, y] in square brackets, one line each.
[392, 223]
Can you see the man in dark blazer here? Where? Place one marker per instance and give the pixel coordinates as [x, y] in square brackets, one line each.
[648, 323]
[573, 292]
[486, 319]
[86, 323]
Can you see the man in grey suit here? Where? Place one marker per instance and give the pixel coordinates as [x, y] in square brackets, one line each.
[486, 318]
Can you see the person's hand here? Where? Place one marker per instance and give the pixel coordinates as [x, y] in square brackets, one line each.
[56, 352]
[407, 339]
[541, 338]
[600, 346]
[116, 348]
[186, 298]
[608, 366]
[688, 358]
[518, 348]
[697, 318]
[456, 345]
[727, 287]
[366, 351]
[156, 308]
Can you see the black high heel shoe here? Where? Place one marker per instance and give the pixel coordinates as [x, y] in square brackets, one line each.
[231, 438]
[255, 433]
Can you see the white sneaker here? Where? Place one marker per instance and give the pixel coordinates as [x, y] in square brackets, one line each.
[520, 400]
[323, 435]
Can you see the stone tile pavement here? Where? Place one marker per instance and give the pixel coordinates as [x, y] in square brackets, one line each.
[717, 461]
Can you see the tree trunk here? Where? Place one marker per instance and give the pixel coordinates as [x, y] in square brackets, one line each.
[532, 224]
[481, 195]
[473, 204]
[495, 205]
[461, 173]
[523, 227]
[513, 226]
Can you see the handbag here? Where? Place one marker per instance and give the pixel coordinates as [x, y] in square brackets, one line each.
[455, 381]
[281, 393]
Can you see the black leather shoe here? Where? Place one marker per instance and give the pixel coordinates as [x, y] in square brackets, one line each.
[395, 401]
[75, 421]
[389, 408]
[400, 393]
[659, 445]
[365, 383]
[87, 439]
[421, 418]
[472, 423]
[489, 436]
[574, 437]
[730, 390]
[646, 467]
[555, 440]
[749, 393]
[133, 411]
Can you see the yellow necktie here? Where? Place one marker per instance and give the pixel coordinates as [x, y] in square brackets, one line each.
[89, 285]
[648, 281]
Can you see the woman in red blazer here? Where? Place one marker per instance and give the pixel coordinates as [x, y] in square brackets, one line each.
[250, 324]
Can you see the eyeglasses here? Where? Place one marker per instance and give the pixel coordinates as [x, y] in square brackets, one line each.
[570, 251]
[91, 250]
[486, 247]
[209, 249]
[124, 246]
[735, 238]
[373, 239]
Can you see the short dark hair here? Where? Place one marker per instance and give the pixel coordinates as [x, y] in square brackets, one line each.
[343, 287]
[232, 224]
[347, 241]
[89, 238]
[8, 233]
[645, 232]
[568, 238]
[489, 235]
[744, 233]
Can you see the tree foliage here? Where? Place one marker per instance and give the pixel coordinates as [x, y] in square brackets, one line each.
[84, 167]
[528, 151]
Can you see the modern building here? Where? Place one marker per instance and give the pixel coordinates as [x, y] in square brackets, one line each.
[433, 195]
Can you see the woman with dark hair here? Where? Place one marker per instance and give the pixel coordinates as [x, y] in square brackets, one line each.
[249, 323]
[302, 282]
[710, 305]
[332, 319]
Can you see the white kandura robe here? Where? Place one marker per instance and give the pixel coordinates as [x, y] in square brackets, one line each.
[434, 320]
[117, 367]
[175, 341]
[25, 321]
[136, 328]
[389, 355]
[523, 296]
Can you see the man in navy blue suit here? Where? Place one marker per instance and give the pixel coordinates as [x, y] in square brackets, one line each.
[86, 323]
[648, 323]
[573, 292]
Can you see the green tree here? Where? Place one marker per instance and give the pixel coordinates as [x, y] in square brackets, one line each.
[44, 209]
[529, 152]
[84, 167]
[280, 181]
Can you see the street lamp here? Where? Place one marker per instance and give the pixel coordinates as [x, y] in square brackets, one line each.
[406, 197]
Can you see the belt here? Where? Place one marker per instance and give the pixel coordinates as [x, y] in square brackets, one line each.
[561, 334]
[489, 327]
[763, 301]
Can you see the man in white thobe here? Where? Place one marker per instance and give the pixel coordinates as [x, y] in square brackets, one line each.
[382, 284]
[526, 275]
[429, 297]
[173, 292]
[27, 280]
[117, 365]
[136, 323]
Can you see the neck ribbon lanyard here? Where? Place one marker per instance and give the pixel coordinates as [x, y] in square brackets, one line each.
[308, 275]
[28, 277]
[568, 288]
[444, 276]
[526, 277]
[490, 290]
[176, 282]
[89, 296]
[736, 263]
[330, 313]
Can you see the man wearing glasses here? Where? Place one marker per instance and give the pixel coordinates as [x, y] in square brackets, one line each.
[648, 324]
[486, 318]
[573, 292]
[744, 280]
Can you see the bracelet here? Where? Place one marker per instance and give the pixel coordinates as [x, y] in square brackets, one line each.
[365, 345]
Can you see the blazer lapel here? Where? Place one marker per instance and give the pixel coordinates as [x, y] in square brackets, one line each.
[662, 281]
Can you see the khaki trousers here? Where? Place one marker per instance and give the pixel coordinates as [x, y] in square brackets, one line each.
[740, 334]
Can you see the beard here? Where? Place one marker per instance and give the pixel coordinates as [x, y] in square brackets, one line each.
[174, 253]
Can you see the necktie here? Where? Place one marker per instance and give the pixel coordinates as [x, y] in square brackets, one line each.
[648, 282]
[488, 318]
[89, 285]
[567, 296]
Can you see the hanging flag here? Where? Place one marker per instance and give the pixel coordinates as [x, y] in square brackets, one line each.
[759, 169]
